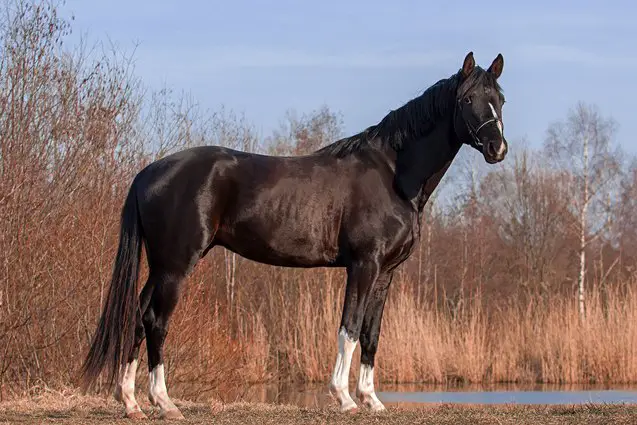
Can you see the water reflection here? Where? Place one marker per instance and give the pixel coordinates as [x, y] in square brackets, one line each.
[317, 395]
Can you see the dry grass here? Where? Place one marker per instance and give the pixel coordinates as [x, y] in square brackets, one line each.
[544, 341]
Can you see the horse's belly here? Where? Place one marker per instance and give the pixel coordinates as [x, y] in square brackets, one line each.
[283, 245]
[294, 223]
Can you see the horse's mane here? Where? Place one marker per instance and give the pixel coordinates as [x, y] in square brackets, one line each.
[414, 119]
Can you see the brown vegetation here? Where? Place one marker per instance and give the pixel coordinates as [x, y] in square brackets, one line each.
[488, 296]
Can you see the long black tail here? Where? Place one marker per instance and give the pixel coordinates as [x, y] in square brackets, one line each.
[115, 332]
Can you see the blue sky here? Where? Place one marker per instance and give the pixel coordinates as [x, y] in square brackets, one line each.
[364, 58]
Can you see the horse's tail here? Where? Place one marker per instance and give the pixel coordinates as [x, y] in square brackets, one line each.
[115, 332]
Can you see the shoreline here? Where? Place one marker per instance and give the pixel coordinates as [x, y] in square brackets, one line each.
[72, 408]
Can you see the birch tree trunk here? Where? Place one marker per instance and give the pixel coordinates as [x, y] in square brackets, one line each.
[582, 272]
[582, 246]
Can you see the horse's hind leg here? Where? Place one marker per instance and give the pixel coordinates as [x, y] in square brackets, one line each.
[125, 389]
[162, 303]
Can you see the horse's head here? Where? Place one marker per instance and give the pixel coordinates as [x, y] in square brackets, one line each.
[478, 120]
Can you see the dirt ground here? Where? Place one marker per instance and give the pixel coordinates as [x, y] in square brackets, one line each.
[72, 409]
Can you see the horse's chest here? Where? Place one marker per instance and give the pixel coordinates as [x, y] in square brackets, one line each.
[406, 242]
[388, 237]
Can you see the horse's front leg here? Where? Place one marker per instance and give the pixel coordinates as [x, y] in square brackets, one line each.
[370, 333]
[360, 280]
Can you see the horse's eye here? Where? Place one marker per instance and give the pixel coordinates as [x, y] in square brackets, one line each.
[467, 100]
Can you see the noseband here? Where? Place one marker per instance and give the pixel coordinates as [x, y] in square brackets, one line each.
[474, 132]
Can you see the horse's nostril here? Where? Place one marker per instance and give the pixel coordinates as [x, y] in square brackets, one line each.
[491, 149]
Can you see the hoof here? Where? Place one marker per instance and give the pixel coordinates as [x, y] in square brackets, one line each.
[344, 400]
[136, 415]
[351, 409]
[348, 406]
[371, 402]
[376, 407]
[172, 414]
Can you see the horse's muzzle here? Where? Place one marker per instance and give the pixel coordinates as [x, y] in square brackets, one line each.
[494, 151]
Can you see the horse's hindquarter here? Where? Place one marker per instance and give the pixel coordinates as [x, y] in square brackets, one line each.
[285, 211]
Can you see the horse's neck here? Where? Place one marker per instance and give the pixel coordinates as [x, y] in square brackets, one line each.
[437, 173]
[421, 163]
[432, 182]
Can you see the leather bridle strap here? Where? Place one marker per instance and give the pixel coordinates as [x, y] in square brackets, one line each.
[474, 132]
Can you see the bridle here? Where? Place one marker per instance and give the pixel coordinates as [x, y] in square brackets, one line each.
[473, 132]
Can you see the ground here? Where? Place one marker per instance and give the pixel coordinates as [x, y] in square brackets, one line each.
[73, 409]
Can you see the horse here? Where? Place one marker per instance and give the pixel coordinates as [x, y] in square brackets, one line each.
[355, 204]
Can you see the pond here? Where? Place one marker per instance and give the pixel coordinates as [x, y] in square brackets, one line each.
[318, 396]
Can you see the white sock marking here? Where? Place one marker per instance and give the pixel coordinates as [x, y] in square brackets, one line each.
[125, 391]
[158, 394]
[365, 389]
[340, 376]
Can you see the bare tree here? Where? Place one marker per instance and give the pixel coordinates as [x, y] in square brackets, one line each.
[529, 203]
[581, 147]
[301, 135]
[625, 219]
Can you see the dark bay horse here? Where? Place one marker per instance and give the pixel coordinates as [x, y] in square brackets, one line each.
[356, 203]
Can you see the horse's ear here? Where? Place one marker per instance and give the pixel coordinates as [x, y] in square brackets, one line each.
[496, 66]
[468, 65]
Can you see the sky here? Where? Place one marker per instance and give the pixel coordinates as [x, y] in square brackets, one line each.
[365, 58]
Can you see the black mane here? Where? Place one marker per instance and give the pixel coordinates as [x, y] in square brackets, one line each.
[414, 119]
[347, 145]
